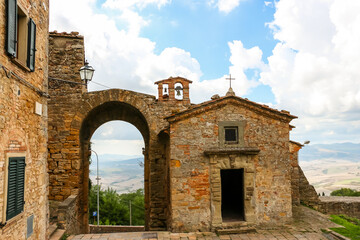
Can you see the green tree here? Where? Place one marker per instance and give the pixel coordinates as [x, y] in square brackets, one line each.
[345, 192]
[114, 208]
[137, 206]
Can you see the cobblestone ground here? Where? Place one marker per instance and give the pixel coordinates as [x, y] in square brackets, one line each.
[307, 224]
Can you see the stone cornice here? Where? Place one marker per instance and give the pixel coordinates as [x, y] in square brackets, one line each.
[235, 151]
[282, 115]
[66, 35]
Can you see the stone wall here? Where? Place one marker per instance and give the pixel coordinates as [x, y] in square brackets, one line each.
[308, 195]
[349, 206]
[65, 89]
[295, 174]
[65, 59]
[301, 190]
[67, 215]
[267, 176]
[22, 131]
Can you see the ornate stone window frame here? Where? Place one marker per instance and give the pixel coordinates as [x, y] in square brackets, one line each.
[232, 159]
[240, 126]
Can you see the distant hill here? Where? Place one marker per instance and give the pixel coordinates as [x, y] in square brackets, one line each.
[120, 172]
[344, 151]
[114, 157]
[329, 167]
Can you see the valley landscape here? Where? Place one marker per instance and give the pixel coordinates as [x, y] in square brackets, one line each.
[329, 167]
[119, 172]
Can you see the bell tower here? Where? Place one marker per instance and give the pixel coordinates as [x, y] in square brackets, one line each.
[174, 90]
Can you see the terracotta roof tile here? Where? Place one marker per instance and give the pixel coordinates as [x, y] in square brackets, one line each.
[157, 82]
[194, 108]
[65, 34]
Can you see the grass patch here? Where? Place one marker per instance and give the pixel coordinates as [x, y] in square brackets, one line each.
[353, 181]
[351, 227]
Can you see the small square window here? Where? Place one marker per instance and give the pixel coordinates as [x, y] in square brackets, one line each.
[231, 135]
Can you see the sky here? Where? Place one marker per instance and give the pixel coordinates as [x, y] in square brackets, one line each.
[301, 56]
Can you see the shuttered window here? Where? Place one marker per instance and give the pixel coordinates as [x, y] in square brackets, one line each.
[31, 45]
[20, 35]
[15, 193]
[11, 27]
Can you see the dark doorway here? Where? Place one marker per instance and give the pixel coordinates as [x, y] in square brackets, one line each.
[232, 195]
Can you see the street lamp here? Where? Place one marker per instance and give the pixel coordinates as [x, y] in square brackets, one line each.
[98, 188]
[86, 72]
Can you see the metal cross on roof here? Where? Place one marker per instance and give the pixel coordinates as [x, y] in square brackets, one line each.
[230, 78]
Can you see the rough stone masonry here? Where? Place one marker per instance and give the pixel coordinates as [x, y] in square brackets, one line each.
[190, 149]
[23, 122]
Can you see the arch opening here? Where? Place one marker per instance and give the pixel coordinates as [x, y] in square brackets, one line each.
[98, 116]
[117, 171]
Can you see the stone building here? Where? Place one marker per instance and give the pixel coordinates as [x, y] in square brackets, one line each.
[23, 119]
[225, 163]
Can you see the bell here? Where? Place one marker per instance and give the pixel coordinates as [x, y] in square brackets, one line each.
[178, 90]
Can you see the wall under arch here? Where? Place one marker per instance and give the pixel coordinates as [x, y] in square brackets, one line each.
[73, 118]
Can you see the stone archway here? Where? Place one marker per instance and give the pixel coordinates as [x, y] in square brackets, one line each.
[76, 120]
[101, 114]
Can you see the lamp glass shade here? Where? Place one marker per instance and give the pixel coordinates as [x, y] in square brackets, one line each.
[82, 74]
[86, 72]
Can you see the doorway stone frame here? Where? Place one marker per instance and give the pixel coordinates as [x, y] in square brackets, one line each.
[235, 158]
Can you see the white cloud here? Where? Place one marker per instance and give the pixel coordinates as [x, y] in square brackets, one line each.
[225, 6]
[122, 58]
[127, 4]
[117, 130]
[241, 59]
[267, 4]
[313, 70]
[134, 22]
[123, 147]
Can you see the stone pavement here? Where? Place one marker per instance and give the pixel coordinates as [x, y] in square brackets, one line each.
[307, 224]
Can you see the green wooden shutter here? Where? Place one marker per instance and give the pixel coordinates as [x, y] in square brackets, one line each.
[15, 194]
[11, 27]
[31, 45]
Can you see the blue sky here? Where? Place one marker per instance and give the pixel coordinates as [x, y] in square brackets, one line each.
[301, 56]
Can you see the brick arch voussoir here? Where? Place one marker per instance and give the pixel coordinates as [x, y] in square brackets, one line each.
[94, 99]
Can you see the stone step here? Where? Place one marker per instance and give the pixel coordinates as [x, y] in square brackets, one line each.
[241, 230]
[57, 235]
[52, 229]
[232, 225]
